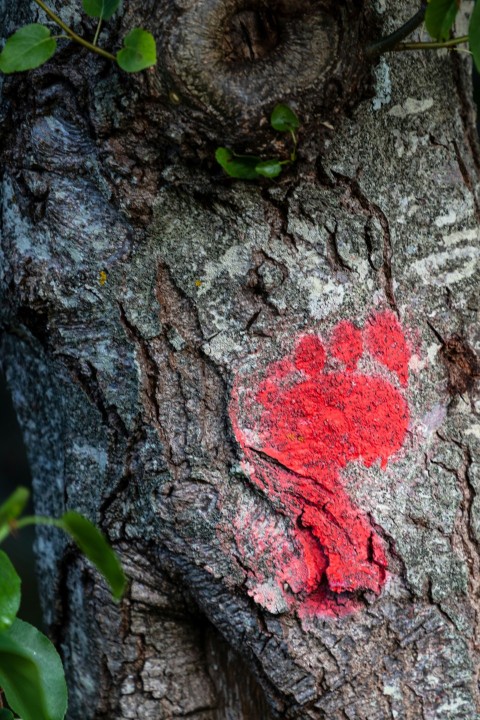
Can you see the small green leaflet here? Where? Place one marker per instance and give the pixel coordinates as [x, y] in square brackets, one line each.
[14, 505]
[440, 17]
[250, 167]
[94, 545]
[247, 167]
[139, 51]
[237, 166]
[31, 674]
[101, 8]
[284, 119]
[269, 168]
[10, 592]
[474, 34]
[28, 48]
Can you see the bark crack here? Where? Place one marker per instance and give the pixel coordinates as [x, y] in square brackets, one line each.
[467, 111]
[151, 375]
[334, 257]
[276, 216]
[372, 210]
[467, 543]
[87, 379]
[467, 179]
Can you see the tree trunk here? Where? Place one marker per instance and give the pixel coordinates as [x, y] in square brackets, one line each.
[263, 392]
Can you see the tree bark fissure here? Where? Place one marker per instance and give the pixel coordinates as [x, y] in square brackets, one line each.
[469, 542]
[373, 211]
[145, 298]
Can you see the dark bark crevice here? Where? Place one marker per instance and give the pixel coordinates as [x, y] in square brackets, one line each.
[123, 384]
[371, 210]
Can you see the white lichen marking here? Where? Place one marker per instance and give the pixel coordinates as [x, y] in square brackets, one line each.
[411, 106]
[383, 85]
[447, 268]
[449, 219]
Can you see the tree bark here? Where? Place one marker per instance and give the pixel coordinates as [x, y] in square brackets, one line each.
[146, 298]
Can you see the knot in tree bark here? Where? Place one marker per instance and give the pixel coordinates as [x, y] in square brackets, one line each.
[233, 60]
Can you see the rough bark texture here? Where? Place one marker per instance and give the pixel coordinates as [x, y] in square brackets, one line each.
[122, 387]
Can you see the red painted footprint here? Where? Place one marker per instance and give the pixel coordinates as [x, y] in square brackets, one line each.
[300, 424]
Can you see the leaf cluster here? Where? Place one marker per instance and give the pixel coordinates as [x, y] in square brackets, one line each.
[31, 672]
[32, 45]
[250, 167]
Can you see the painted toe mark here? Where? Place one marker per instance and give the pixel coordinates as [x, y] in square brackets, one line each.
[310, 355]
[386, 342]
[347, 344]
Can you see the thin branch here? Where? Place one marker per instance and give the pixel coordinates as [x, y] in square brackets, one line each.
[390, 41]
[15, 525]
[434, 45]
[73, 35]
[97, 32]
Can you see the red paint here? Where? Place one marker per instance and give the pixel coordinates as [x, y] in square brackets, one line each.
[347, 344]
[386, 342]
[299, 427]
[310, 355]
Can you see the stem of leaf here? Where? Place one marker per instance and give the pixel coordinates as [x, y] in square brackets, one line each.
[72, 35]
[97, 32]
[38, 520]
[28, 520]
[293, 154]
[435, 45]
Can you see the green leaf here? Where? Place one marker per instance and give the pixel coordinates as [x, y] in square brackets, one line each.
[237, 166]
[269, 168]
[474, 34]
[284, 119]
[10, 593]
[95, 546]
[13, 506]
[440, 17]
[31, 674]
[6, 714]
[28, 48]
[101, 8]
[139, 51]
